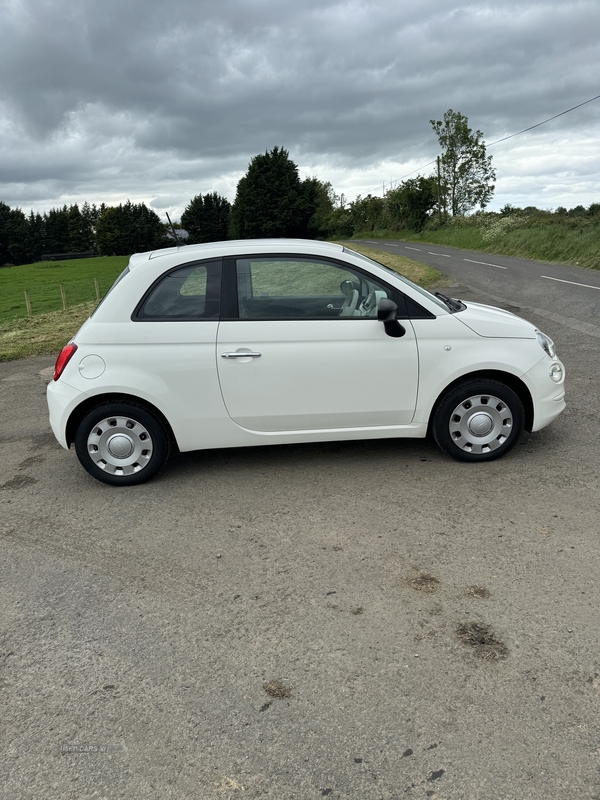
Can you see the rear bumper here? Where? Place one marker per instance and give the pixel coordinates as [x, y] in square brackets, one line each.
[62, 399]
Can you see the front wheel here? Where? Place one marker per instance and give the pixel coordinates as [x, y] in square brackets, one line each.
[121, 444]
[478, 421]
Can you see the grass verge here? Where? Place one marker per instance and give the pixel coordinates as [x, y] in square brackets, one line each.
[418, 273]
[552, 242]
[42, 335]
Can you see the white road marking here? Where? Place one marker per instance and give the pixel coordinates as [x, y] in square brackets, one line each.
[573, 283]
[393, 245]
[485, 264]
[370, 241]
[438, 254]
[418, 249]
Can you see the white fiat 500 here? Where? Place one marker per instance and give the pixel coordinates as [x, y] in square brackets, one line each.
[278, 341]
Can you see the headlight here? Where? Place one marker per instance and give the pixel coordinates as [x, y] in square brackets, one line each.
[545, 342]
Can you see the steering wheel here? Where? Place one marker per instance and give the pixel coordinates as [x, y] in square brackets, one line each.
[368, 307]
[369, 304]
[349, 305]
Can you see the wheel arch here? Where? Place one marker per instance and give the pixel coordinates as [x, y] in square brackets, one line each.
[89, 403]
[507, 378]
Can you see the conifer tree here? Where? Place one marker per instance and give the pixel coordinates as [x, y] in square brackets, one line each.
[206, 218]
[269, 200]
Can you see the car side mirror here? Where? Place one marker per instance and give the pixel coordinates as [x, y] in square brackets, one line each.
[386, 313]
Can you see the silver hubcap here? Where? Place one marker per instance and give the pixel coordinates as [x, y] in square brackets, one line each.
[120, 445]
[480, 424]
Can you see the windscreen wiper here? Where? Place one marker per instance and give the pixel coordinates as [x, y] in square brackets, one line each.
[453, 305]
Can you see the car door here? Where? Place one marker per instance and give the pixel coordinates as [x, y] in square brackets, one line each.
[305, 352]
[167, 351]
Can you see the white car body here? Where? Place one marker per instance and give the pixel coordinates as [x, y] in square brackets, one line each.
[315, 380]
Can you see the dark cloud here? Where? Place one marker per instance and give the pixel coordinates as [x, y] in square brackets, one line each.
[146, 99]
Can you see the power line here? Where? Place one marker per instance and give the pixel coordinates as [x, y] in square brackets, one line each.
[504, 139]
[418, 169]
[537, 125]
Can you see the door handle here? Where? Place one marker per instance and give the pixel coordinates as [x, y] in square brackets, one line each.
[240, 355]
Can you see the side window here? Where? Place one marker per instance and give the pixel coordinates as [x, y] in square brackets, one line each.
[293, 288]
[186, 293]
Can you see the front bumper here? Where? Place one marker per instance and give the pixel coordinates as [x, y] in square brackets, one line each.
[548, 396]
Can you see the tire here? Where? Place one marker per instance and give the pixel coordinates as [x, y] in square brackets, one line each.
[478, 421]
[121, 444]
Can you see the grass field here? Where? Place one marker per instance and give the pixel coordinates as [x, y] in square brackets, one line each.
[42, 282]
[47, 333]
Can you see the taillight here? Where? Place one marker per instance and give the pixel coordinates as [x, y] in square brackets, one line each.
[63, 359]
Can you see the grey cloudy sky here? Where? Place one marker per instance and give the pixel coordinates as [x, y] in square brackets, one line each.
[158, 102]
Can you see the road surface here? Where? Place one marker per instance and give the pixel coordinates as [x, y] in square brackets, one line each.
[569, 295]
[435, 623]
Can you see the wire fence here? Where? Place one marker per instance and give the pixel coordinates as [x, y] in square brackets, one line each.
[43, 299]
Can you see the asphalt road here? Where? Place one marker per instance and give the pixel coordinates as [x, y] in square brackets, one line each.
[435, 624]
[570, 295]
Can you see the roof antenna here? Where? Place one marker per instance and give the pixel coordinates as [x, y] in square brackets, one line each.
[175, 237]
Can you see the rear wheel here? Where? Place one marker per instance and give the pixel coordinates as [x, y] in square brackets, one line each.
[478, 421]
[121, 444]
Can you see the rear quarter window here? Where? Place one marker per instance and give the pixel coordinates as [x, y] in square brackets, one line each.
[185, 293]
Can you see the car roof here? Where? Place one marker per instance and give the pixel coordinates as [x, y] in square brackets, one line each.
[250, 246]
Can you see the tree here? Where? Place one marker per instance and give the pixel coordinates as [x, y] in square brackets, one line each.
[269, 199]
[5, 219]
[20, 236]
[56, 230]
[18, 244]
[108, 233]
[409, 204]
[509, 210]
[129, 228]
[34, 237]
[13, 235]
[89, 218]
[367, 213]
[207, 218]
[319, 198]
[81, 238]
[466, 172]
